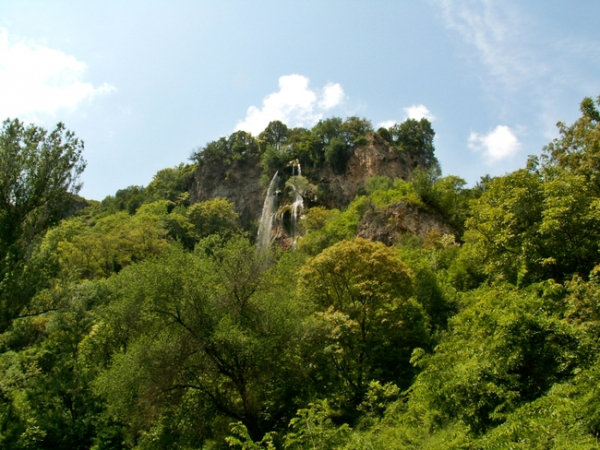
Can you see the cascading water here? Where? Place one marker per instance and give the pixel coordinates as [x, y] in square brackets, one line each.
[263, 239]
[297, 206]
[297, 209]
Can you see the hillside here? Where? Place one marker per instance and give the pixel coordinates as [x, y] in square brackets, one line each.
[316, 288]
[330, 184]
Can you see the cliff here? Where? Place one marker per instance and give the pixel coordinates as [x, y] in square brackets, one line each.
[239, 180]
[388, 224]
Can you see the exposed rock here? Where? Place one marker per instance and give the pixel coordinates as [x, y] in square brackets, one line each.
[239, 181]
[388, 224]
[375, 158]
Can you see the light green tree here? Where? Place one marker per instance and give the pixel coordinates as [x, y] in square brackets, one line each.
[362, 294]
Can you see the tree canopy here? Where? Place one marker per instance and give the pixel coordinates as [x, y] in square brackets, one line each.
[470, 318]
[39, 171]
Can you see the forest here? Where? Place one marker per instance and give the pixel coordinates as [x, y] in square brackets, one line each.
[155, 320]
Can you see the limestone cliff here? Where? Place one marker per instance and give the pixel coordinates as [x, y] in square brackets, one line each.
[388, 224]
[239, 181]
[376, 158]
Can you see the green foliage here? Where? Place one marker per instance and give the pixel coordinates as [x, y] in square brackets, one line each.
[300, 185]
[443, 196]
[337, 227]
[378, 183]
[128, 199]
[242, 440]
[428, 290]
[213, 216]
[216, 331]
[228, 150]
[532, 227]
[38, 177]
[45, 401]
[172, 184]
[565, 418]
[383, 193]
[362, 292]
[329, 142]
[313, 428]
[180, 229]
[578, 147]
[116, 335]
[507, 347]
[115, 241]
[275, 135]
[273, 160]
[413, 137]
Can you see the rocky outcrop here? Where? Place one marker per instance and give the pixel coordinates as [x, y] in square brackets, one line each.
[375, 158]
[239, 181]
[388, 224]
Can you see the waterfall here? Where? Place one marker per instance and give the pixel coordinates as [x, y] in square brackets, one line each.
[297, 206]
[263, 239]
[297, 209]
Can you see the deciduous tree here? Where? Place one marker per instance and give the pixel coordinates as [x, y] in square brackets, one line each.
[39, 171]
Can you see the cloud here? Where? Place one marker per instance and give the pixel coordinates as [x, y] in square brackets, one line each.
[528, 70]
[386, 124]
[416, 112]
[333, 95]
[295, 104]
[419, 112]
[37, 80]
[497, 145]
[501, 36]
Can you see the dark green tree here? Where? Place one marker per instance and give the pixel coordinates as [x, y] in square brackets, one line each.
[39, 171]
[128, 199]
[275, 135]
[578, 147]
[506, 348]
[172, 184]
[205, 340]
[415, 137]
[213, 216]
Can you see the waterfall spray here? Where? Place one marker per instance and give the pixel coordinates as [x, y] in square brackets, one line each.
[297, 206]
[266, 220]
[297, 209]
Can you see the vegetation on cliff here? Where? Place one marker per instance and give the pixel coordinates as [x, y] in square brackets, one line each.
[417, 314]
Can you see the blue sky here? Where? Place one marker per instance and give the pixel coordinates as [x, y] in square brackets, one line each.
[144, 83]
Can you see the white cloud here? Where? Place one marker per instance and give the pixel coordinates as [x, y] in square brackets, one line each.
[37, 80]
[416, 112]
[386, 124]
[499, 33]
[419, 112]
[496, 145]
[333, 95]
[295, 104]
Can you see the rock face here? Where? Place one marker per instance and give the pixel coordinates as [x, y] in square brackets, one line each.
[389, 224]
[239, 181]
[375, 158]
